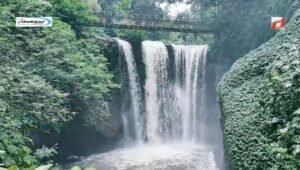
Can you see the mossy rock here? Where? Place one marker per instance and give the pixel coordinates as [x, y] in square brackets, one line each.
[260, 102]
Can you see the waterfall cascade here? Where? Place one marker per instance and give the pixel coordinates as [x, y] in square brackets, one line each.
[156, 87]
[169, 128]
[132, 121]
[174, 107]
[190, 89]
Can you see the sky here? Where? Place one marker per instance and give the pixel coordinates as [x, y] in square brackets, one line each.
[175, 9]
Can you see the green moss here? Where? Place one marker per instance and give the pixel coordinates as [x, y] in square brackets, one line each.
[260, 102]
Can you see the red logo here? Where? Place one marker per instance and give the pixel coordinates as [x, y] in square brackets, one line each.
[277, 23]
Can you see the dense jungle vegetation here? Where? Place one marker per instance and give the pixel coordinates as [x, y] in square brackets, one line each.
[47, 77]
[54, 81]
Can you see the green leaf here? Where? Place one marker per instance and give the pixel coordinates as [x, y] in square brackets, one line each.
[76, 168]
[275, 75]
[14, 167]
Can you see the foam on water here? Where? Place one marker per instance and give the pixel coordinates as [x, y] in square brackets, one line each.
[171, 156]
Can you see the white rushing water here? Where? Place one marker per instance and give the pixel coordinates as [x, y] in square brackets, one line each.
[135, 95]
[190, 62]
[156, 59]
[169, 131]
[174, 107]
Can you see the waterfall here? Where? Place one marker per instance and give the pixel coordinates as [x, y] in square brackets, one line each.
[174, 108]
[190, 64]
[136, 123]
[168, 120]
[155, 59]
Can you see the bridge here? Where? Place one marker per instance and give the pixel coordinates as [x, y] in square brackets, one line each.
[128, 20]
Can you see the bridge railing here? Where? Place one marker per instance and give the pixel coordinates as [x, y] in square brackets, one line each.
[129, 20]
[137, 16]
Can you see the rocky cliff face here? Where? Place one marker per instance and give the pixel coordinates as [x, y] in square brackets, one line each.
[260, 104]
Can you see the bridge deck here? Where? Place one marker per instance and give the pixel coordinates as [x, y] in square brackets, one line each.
[149, 22]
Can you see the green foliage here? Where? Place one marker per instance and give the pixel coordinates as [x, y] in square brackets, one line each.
[92, 82]
[27, 103]
[14, 167]
[45, 152]
[76, 168]
[74, 12]
[46, 76]
[123, 5]
[260, 104]
[133, 35]
[134, 9]
[90, 72]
